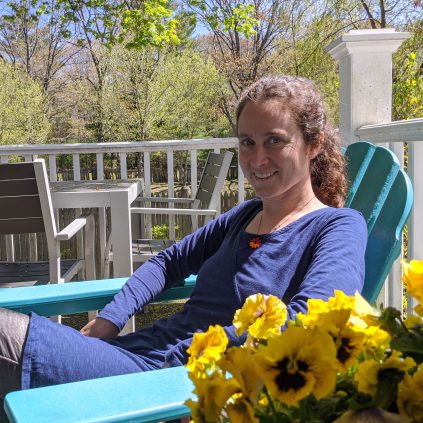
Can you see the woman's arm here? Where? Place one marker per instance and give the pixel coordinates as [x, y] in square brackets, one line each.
[168, 267]
[337, 262]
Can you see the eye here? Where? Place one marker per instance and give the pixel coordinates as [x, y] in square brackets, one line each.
[246, 142]
[275, 140]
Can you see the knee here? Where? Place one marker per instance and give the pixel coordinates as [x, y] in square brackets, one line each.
[13, 333]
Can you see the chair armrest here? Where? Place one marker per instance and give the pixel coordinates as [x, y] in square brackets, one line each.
[159, 210]
[77, 297]
[165, 200]
[66, 298]
[141, 397]
[75, 226]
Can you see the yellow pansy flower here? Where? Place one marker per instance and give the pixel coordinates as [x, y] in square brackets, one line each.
[262, 315]
[349, 344]
[297, 363]
[212, 392]
[239, 363]
[348, 341]
[410, 395]
[368, 371]
[376, 342]
[241, 411]
[413, 278]
[361, 313]
[364, 311]
[206, 349]
[412, 321]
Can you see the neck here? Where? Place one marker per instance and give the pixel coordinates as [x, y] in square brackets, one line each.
[277, 214]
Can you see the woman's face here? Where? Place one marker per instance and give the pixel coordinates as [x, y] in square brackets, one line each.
[272, 151]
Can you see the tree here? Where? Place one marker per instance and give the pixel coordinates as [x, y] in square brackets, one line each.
[243, 36]
[408, 76]
[22, 108]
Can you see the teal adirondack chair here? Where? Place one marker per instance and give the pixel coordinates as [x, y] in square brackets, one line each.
[379, 189]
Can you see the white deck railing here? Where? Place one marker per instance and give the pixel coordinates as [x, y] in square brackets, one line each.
[393, 135]
[50, 152]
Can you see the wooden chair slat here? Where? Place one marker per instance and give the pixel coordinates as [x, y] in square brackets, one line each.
[15, 187]
[203, 197]
[215, 158]
[20, 207]
[212, 169]
[208, 183]
[17, 171]
[22, 226]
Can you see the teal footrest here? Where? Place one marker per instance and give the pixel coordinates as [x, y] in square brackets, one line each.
[142, 397]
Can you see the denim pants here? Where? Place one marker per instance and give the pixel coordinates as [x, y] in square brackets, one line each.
[13, 332]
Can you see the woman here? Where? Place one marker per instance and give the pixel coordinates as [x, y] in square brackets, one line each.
[294, 241]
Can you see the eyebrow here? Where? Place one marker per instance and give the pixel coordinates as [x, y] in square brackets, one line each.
[267, 134]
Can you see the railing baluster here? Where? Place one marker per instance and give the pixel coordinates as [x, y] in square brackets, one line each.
[10, 245]
[194, 169]
[147, 189]
[100, 166]
[171, 191]
[415, 228]
[76, 164]
[123, 166]
[52, 167]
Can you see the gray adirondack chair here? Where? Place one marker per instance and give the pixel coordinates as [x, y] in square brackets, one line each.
[205, 203]
[26, 207]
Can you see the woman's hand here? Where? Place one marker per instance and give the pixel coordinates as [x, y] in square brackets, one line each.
[100, 328]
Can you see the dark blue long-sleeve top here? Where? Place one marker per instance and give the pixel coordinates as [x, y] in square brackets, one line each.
[310, 258]
[320, 252]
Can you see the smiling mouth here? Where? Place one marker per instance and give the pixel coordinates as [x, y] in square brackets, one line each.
[265, 175]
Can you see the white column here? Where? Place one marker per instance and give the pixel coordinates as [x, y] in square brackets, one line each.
[365, 77]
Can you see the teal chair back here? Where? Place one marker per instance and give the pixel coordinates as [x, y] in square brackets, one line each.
[383, 193]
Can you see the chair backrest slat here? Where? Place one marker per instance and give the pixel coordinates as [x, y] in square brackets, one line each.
[21, 226]
[20, 207]
[382, 192]
[14, 187]
[208, 183]
[17, 171]
[25, 201]
[204, 198]
[212, 179]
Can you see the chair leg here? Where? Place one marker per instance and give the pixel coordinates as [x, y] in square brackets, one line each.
[89, 247]
[106, 258]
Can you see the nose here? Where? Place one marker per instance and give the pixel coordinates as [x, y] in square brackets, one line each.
[260, 156]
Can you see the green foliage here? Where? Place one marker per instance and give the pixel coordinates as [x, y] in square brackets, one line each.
[156, 95]
[240, 18]
[304, 55]
[151, 24]
[162, 231]
[408, 78]
[22, 108]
